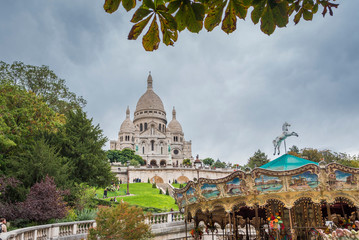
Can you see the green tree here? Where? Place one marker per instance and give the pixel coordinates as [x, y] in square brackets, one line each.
[23, 115]
[312, 154]
[120, 222]
[294, 151]
[80, 144]
[208, 161]
[42, 82]
[33, 162]
[219, 164]
[187, 162]
[133, 162]
[174, 16]
[258, 159]
[124, 156]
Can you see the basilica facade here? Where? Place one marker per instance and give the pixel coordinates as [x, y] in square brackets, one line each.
[149, 135]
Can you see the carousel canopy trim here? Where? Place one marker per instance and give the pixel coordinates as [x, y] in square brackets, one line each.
[286, 162]
[318, 183]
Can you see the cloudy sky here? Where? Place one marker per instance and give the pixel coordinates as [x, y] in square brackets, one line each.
[232, 92]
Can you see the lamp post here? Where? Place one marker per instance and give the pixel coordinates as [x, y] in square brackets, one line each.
[197, 165]
[128, 178]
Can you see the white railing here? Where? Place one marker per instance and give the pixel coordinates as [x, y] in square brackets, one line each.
[68, 229]
[50, 231]
[160, 218]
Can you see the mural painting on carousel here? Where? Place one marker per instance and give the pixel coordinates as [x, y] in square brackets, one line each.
[342, 179]
[209, 190]
[191, 197]
[304, 181]
[181, 200]
[266, 183]
[235, 187]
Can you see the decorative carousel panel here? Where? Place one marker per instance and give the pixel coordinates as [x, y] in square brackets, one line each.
[304, 181]
[342, 180]
[235, 187]
[180, 199]
[191, 196]
[209, 191]
[266, 183]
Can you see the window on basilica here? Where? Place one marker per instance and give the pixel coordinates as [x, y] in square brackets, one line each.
[152, 145]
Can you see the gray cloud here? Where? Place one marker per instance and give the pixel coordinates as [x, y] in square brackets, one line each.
[232, 92]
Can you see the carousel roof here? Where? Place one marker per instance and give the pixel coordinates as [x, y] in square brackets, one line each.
[286, 162]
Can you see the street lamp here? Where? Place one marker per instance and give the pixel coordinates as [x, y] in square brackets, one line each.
[128, 178]
[197, 165]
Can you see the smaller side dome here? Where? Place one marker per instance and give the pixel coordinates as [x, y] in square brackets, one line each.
[174, 126]
[127, 125]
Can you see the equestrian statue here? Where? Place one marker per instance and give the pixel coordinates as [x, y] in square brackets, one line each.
[278, 140]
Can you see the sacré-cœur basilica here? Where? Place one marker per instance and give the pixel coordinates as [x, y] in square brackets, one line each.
[149, 135]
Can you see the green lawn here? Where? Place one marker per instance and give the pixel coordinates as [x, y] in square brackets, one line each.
[177, 185]
[144, 195]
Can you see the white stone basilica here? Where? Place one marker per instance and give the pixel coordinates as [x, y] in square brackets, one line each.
[149, 135]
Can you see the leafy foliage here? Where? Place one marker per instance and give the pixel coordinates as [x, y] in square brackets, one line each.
[86, 214]
[120, 222]
[81, 196]
[45, 202]
[42, 82]
[23, 115]
[187, 162]
[81, 147]
[208, 161]
[174, 16]
[124, 156]
[326, 155]
[258, 159]
[219, 164]
[33, 162]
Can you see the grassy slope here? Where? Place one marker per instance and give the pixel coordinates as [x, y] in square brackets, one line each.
[144, 195]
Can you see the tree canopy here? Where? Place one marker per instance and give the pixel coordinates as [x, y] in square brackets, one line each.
[219, 164]
[174, 16]
[258, 159]
[23, 115]
[42, 82]
[46, 142]
[124, 156]
[208, 161]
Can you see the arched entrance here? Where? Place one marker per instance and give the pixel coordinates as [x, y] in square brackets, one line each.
[156, 179]
[163, 163]
[182, 179]
[153, 163]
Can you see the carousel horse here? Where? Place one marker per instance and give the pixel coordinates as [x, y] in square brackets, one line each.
[278, 140]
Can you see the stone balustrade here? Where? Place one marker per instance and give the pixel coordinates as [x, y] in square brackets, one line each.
[79, 230]
[161, 218]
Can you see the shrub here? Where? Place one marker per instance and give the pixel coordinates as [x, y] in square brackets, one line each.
[44, 202]
[154, 185]
[160, 191]
[111, 188]
[120, 222]
[86, 214]
[167, 193]
[71, 216]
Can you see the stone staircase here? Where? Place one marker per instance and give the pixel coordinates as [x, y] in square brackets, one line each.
[164, 187]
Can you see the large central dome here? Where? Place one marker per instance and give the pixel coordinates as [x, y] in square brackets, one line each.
[149, 100]
[149, 103]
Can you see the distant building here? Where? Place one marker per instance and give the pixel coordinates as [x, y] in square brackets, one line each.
[149, 135]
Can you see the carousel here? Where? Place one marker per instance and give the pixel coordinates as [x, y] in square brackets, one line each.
[287, 198]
